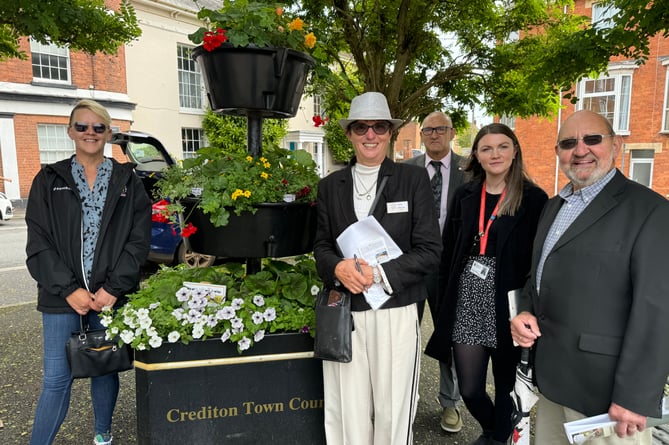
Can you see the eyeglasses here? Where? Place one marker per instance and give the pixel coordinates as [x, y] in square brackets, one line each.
[588, 139]
[440, 130]
[361, 128]
[81, 127]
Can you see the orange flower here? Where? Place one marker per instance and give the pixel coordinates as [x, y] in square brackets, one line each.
[279, 11]
[310, 40]
[296, 25]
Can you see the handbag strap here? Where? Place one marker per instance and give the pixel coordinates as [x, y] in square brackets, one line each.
[378, 195]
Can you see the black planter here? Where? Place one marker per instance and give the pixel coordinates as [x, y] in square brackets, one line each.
[276, 230]
[207, 393]
[254, 81]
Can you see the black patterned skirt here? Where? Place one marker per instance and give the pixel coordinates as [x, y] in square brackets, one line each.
[475, 321]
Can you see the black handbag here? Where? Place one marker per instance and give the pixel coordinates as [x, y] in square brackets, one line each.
[334, 324]
[90, 354]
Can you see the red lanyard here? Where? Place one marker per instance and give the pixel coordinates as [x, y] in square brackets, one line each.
[483, 233]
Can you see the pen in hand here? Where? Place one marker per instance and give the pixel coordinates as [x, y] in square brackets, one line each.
[357, 265]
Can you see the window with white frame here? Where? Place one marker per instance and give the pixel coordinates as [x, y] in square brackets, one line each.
[50, 63]
[641, 166]
[665, 115]
[603, 15]
[318, 109]
[610, 96]
[509, 121]
[192, 139]
[190, 80]
[54, 143]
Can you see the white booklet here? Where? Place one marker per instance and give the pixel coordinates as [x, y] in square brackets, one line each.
[580, 431]
[368, 240]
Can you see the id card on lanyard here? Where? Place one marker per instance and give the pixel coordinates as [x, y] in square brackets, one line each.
[478, 269]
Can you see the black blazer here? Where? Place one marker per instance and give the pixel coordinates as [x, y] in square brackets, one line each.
[415, 231]
[513, 255]
[603, 310]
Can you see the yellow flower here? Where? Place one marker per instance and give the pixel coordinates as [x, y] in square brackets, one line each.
[237, 193]
[296, 24]
[267, 165]
[249, 158]
[310, 40]
[247, 193]
[263, 159]
[264, 175]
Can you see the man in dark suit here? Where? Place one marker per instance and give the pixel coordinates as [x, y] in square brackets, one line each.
[446, 175]
[596, 306]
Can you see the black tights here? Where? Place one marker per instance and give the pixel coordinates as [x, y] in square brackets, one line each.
[471, 366]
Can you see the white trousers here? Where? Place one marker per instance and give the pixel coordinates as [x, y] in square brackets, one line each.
[372, 400]
[549, 427]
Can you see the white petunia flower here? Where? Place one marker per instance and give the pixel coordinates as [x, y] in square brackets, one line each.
[314, 290]
[257, 317]
[226, 335]
[183, 294]
[173, 336]
[269, 314]
[155, 342]
[259, 300]
[244, 344]
[237, 303]
[259, 335]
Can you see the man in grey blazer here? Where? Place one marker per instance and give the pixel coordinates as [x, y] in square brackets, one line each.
[596, 306]
[437, 133]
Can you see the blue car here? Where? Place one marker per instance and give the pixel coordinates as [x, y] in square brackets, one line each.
[151, 157]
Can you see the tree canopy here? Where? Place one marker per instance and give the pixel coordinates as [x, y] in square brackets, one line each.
[85, 25]
[427, 55]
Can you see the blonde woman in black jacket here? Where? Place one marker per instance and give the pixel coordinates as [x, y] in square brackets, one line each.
[89, 229]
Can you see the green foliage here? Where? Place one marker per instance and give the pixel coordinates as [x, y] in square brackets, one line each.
[426, 56]
[229, 132]
[279, 298]
[227, 181]
[85, 25]
[338, 144]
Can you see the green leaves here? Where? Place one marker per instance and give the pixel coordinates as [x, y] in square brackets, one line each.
[85, 25]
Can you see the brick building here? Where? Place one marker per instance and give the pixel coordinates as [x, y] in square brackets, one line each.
[36, 98]
[635, 98]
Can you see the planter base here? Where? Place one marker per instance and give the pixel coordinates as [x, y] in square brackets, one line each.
[205, 392]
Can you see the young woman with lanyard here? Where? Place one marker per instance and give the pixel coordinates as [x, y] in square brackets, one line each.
[487, 252]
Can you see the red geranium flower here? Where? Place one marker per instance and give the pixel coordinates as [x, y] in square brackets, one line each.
[188, 230]
[214, 39]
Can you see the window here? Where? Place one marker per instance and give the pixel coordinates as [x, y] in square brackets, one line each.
[603, 15]
[610, 97]
[190, 80]
[641, 166]
[51, 63]
[54, 143]
[192, 139]
[318, 109]
[509, 121]
[665, 115]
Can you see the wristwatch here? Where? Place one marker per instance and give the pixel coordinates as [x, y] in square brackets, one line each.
[377, 275]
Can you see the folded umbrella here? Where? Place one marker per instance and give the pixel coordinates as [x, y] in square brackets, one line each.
[523, 399]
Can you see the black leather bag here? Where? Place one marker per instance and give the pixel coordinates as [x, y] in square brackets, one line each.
[91, 355]
[334, 324]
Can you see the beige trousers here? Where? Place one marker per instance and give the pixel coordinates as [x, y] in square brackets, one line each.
[549, 427]
[372, 400]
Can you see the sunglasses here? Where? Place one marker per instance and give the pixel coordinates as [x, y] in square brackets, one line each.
[82, 127]
[361, 129]
[589, 140]
[440, 130]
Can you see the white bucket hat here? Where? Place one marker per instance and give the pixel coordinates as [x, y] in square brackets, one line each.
[370, 107]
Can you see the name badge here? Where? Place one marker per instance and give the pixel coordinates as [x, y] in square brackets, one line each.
[397, 207]
[480, 270]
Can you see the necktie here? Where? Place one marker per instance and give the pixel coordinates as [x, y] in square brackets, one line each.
[436, 182]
